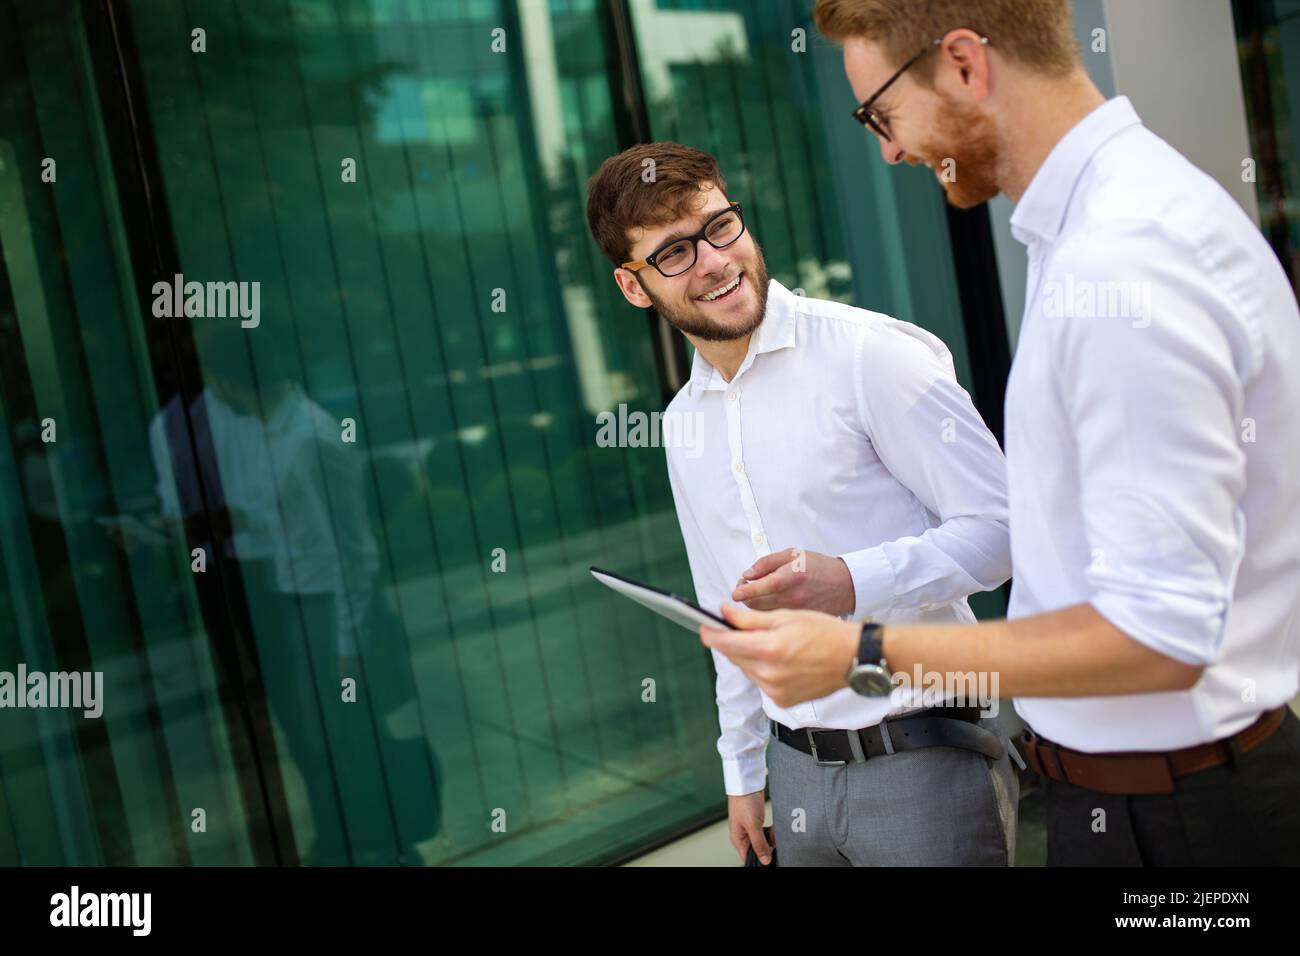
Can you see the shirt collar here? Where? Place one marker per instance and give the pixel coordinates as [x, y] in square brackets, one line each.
[776, 331]
[1041, 211]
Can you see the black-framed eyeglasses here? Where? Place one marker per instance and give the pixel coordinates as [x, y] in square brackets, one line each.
[673, 258]
[866, 113]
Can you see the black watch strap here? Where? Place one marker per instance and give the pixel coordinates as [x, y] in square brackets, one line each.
[870, 649]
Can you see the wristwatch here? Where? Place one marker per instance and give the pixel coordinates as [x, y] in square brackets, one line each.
[869, 675]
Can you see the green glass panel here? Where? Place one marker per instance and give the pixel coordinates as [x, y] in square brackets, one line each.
[409, 194]
[90, 582]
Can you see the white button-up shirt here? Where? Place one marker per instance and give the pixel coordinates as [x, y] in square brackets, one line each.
[1153, 434]
[296, 493]
[843, 432]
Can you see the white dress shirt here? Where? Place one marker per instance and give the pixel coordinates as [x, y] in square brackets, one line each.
[1153, 448]
[296, 493]
[843, 432]
[237, 442]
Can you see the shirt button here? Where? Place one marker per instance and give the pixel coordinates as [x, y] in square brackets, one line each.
[758, 539]
[738, 467]
[731, 396]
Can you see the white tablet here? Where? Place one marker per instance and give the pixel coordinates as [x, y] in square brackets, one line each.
[676, 609]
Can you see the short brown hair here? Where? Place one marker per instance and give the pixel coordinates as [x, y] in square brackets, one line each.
[1039, 34]
[647, 185]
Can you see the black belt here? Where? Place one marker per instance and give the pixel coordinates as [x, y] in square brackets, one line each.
[947, 727]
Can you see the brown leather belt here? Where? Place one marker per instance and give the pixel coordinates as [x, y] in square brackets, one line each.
[1141, 772]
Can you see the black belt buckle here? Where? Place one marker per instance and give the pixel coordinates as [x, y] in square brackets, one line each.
[812, 743]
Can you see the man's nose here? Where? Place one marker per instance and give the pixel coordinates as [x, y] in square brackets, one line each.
[708, 260]
[892, 152]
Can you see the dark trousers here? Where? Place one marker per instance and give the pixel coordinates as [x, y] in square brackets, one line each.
[1243, 813]
[299, 659]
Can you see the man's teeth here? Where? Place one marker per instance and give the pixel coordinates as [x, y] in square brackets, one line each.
[723, 291]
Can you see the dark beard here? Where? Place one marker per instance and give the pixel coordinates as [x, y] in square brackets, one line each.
[690, 323]
[976, 159]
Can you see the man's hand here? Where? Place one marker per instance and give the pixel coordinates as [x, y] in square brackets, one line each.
[797, 579]
[745, 817]
[792, 656]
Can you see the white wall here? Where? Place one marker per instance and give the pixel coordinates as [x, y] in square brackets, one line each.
[1177, 61]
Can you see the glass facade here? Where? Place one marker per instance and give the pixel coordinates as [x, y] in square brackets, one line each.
[1268, 35]
[304, 341]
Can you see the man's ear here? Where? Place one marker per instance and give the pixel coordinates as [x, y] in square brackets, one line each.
[964, 66]
[630, 286]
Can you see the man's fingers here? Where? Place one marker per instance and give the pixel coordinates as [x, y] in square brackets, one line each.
[740, 840]
[771, 603]
[728, 643]
[774, 583]
[758, 841]
[769, 563]
[746, 649]
[748, 620]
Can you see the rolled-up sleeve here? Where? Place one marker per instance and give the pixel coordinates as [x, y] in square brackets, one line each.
[929, 435]
[1153, 387]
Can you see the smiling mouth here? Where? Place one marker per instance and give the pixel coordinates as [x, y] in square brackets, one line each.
[725, 291]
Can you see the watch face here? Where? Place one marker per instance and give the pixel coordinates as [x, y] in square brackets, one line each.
[871, 680]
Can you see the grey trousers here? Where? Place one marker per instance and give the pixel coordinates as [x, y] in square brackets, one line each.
[933, 807]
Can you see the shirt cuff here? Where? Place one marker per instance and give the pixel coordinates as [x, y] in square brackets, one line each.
[744, 774]
[873, 582]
